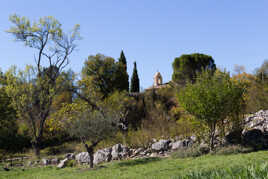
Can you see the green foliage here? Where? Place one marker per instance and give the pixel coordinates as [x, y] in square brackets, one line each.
[135, 81]
[232, 149]
[212, 98]
[186, 67]
[262, 72]
[194, 151]
[101, 76]
[32, 91]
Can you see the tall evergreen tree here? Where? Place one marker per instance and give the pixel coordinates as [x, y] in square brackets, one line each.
[123, 60]
[123, 75]
[135, 81]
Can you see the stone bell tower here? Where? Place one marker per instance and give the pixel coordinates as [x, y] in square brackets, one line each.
[158, 80]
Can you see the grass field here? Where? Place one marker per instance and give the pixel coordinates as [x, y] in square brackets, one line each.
[251, 165]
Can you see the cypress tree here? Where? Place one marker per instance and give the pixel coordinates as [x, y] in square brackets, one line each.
[123, 75]
[135, 81]
[123, 60]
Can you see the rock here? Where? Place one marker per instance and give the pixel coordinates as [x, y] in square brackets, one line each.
[153, 155]
[259, 120]
[45, 162]
[103, 155]
[193, 138]
[54, 161]
[255, 132]
[82, 157]
[29, 163]
[136, 152]
[161, 145]
[177, 145]
[116, 149]
[119, 151]
[125, 151]
[62, 163]
[70, 156]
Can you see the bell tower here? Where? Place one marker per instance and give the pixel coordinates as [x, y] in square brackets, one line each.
[158, 80]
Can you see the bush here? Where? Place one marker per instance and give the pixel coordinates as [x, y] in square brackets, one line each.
[194, 151]
[232, 149]
[71, 163]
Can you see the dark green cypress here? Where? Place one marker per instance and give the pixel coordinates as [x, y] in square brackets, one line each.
[135, 81]
[123, 71]
[123, 60]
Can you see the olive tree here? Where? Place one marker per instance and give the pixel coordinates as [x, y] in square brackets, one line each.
[92, 125]
[32, 91]
[211, 99]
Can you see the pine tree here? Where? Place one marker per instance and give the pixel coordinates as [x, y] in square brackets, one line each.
[135, 81]
[123, 75]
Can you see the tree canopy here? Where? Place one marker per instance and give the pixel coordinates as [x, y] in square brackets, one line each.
[32, 91]
[186, 67]
[212, 98]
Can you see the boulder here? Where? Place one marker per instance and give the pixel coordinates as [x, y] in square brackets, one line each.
[255, 132]
[54, 161]
[45, 162]
[62, 163]
[103, 155]
[70, 156]
[82, 157]
[177, 145]
[161, 145]
[259, 120]
[119, 151]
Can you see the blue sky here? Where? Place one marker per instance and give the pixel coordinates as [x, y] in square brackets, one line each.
[151, 32]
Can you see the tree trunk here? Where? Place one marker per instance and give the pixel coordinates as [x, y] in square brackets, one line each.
[37, 147]
[212, 135]
[91, 159]
[90, 151]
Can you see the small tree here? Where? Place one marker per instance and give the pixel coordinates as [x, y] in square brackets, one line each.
[32, 91]
[135, 81]
[211, 99]
[92, 126]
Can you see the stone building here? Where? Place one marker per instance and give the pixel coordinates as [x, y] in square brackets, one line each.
[158, 82]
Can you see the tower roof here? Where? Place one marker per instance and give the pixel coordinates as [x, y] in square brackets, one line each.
[157, 74]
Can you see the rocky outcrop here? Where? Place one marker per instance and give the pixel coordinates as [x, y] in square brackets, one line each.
[161, 145]
[82, 157]
[62, 163]
[255, 133]
[103, 155]
[45, 162]
[119, 151]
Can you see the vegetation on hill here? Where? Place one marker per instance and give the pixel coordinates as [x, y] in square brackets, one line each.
[45, 106]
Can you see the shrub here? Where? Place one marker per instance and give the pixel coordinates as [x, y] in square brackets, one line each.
[71, 163]
[232, 149]
[194, 151]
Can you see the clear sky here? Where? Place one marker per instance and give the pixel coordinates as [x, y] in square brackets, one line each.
[151, 32]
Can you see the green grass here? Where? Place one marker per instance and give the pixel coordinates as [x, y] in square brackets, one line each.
[251, 165]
